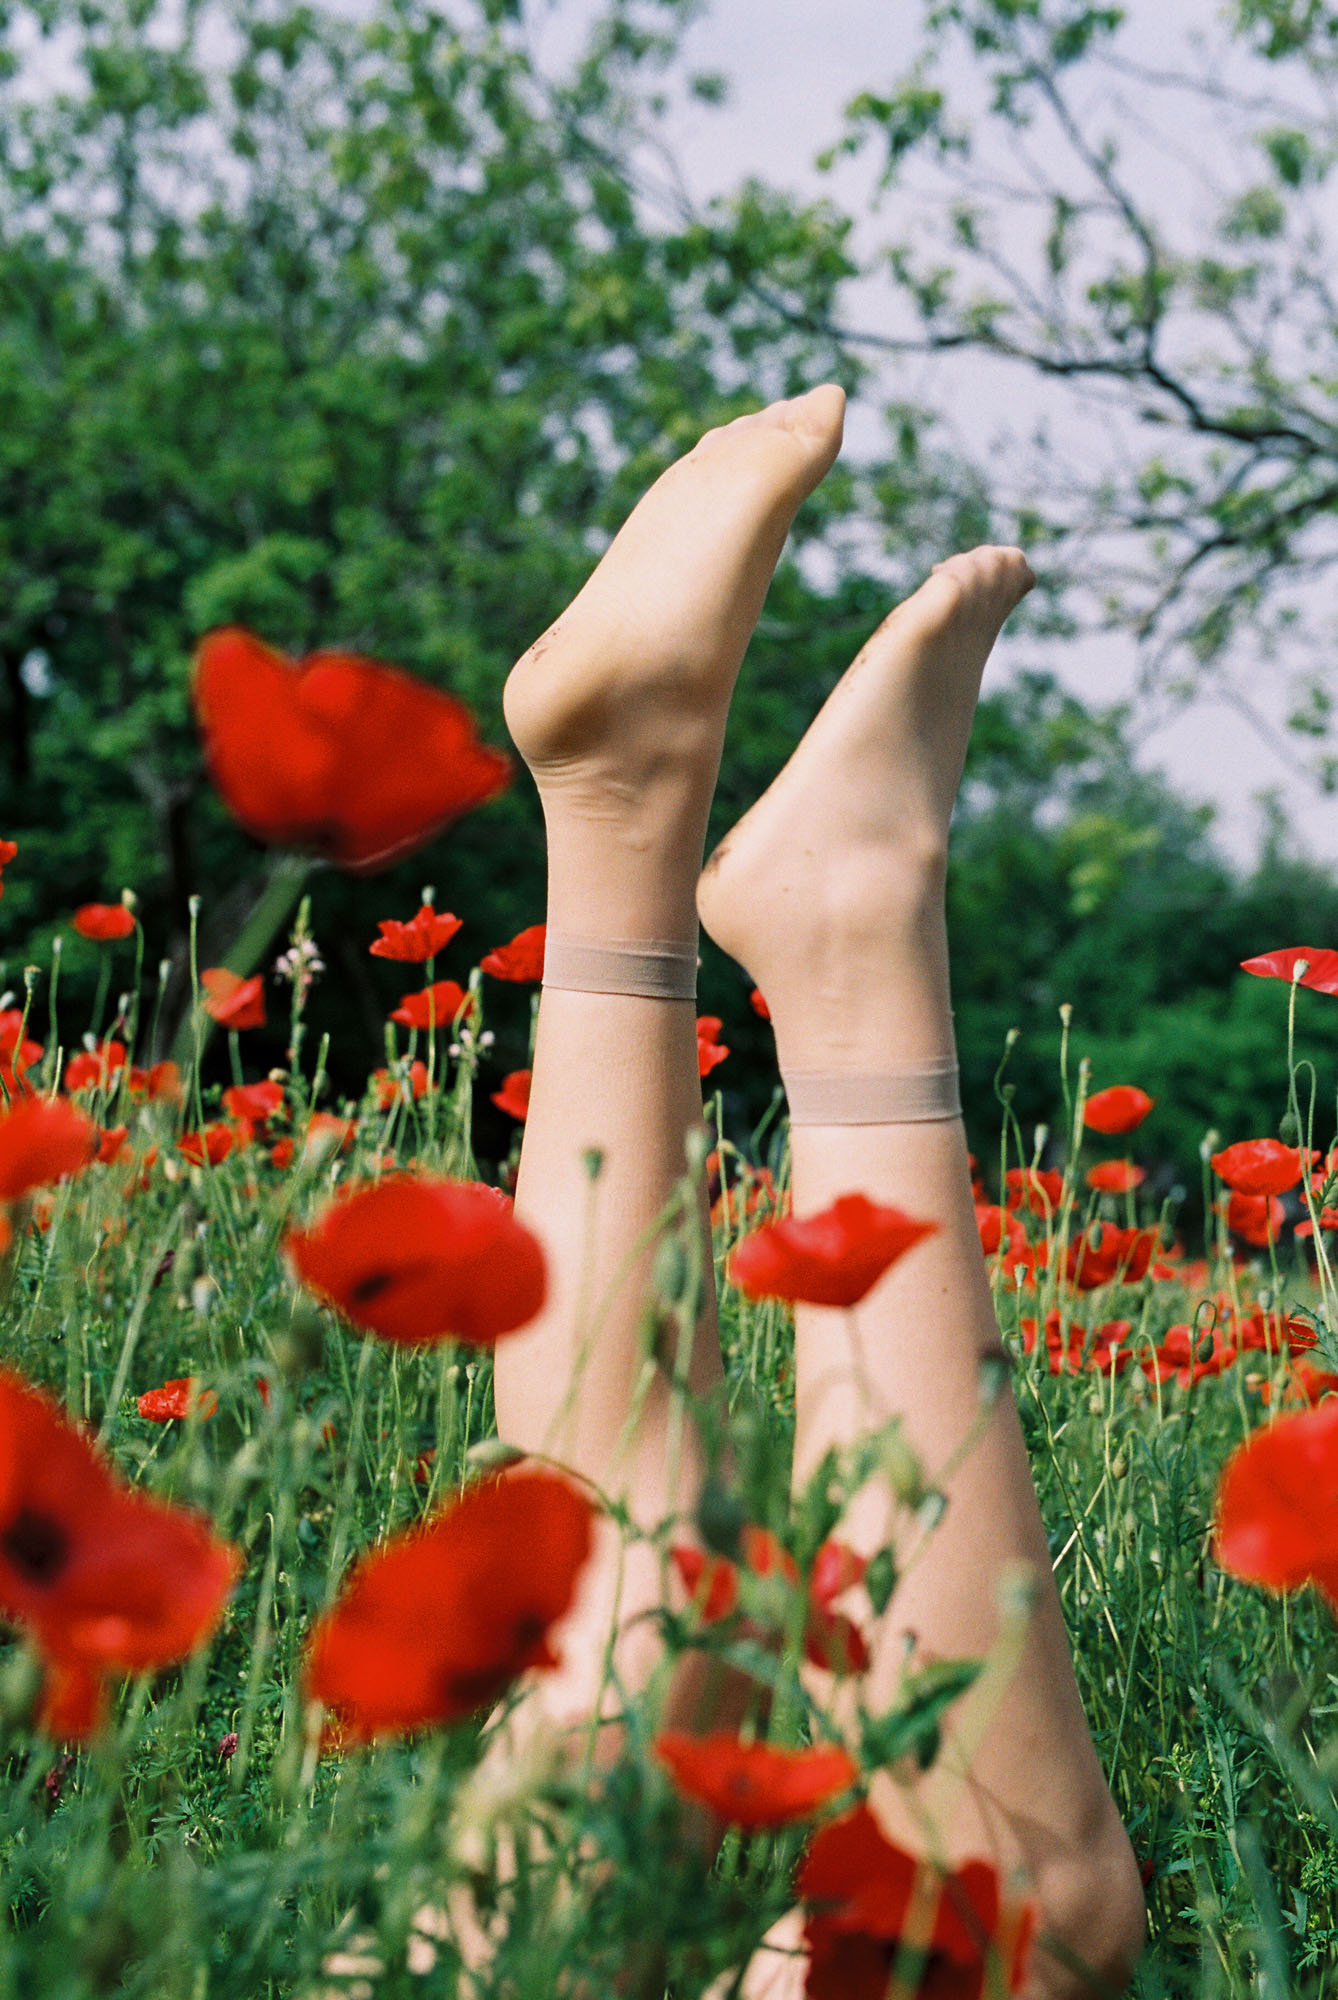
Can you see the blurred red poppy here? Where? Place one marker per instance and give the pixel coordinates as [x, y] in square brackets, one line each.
[112, 1144]
[1255, 1218]
[18, 1054]
[93, 1069]
[434, 1007]
[418, 940]
[106, 1579]
[212, 1143]
[754, 1784]
[1115, 1177]
[234, 1002]
[997, 1226]
[710, 1051]
[389, 1087]
[757, 1001]
[830, 1259]
[514, 1095]
[8, 850]
[521, 960]
[712, 1582]
[1303, 1383]
[831, 1640]
[160, 1084]
[1258, 1166]
[438, 1622]
[1275, 1333]
[174, 1399]
[255, 1102]
[40, 1142]
[1277, 1504]
[344, 755]
[1037, 1189]
[102, 922]
[1117, 1110]
[1187, 1354]
[418, 1259]
[1106, 1253]
[864, 1895]
[1322, 966]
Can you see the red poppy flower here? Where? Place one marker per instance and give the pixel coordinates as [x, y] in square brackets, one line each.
[106, 1579]
[253, 1102]
[1322, 966]
[1103, 1255]
[17, 1053]
[160, 1084]
[112, 1144]
[1115, 1177]
[836, 1569]
[435, 1006]
[995, 1226]
[1259, 1166]
[418, 1259]
[1188, 1355]
[757, 1001]
[831, 1641]
[103, 923]
[1255, 1218]
[40, 1142]
[438, 1622]
[1117, 1110]
[864, 1895]
[1037, 1189]
[174, 1399]
[389, 1087]
[348, 756]
[514, 1095]
[234, 1002]
[712, 1582]
[520, 960]
[212, 1143]
[418, 940]
[93, 1069]
[753, 1784]
[8, 850]
[710, 1052]
[1277, 1504]
[830, 1259]
[1272, 1332]
[1303, 1383]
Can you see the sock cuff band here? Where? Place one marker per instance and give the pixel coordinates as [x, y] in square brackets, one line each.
[917, 1093]
[650, 968]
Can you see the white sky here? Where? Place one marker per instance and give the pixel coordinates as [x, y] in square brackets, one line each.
[792, 66]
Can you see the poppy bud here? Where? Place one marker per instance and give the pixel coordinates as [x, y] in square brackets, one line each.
[1119, 1465]
[300, 1347]
[592, 1159]
[901, 1469]
[880, 1580]
[1289, 1129]
[721, 1518]
[670, 1275]
[129, 901]
[1210, 1143]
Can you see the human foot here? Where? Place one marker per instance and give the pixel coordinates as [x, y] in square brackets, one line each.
[832, 885]
[619, 709]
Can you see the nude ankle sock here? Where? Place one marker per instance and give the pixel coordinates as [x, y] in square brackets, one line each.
[913, 1093]
[651, 968]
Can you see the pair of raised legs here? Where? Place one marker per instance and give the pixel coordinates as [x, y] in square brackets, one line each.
[831, 893]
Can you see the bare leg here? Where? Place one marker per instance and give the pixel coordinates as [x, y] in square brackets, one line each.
[619, 711]
[830, 892]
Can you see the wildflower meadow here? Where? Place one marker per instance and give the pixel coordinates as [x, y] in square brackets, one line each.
[275, 1594]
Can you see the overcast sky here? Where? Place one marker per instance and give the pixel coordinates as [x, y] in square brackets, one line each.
[792, 66]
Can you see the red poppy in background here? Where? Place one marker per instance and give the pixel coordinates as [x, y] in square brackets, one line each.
[521, 960]
[253, 1102]
[1188, 1354]
[1117, 1110]
[1322, 966]
[435, 1006]
[712, 1582]
[757, 1001]
[389, 1086]
[753, 1784]
[93, 1069]
[160, 1084]
[17, 1053]
[40, 1142]
[1115, 1177]
[112, 1144]
[710, 1051]
[514, 1095]
[863, 1894]
[438, 1623]
[830, 1259]
[996, 1226]
[1101, 1256]
[106, 1579]
[1303, 1383]
[1277, 1504]
[8, 850]
[102, 923]
[418, 940]
[831, 1640]
[418, 1259]
[1037, 1189]
[174, 1399]
[234, 1002]
[1255, 1218]
[1272, 1332]
[343, 755]
[1258, 1166]
[212, 1143]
